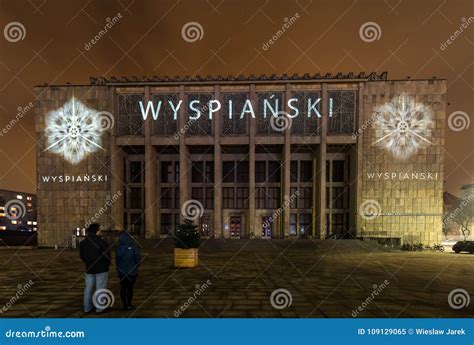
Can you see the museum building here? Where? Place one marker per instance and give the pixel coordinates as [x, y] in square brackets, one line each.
[311, 156]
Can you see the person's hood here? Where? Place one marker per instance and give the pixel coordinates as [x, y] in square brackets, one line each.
[125, 240]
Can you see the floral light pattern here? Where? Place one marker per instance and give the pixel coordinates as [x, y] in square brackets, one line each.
[403, 126]
[73, 131]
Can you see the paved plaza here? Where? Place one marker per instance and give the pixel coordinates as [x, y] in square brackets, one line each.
[237, 277]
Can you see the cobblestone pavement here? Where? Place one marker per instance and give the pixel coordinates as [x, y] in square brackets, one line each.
[325, 279]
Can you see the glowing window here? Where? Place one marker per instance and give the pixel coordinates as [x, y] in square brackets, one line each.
[3, 228]
[19, 197]
[14, 222]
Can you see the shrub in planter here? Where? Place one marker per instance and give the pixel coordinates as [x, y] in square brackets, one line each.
[186, 242]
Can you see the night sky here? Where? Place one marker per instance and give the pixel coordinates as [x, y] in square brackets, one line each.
[147, 41]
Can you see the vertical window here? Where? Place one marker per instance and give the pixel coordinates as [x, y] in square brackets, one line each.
[228, 196]
[260, 197]
[136, 172]
[273, 171]
[293, 197]
[176, 198]
[242, 171]
[197, 172]
[338, 197]
[293, 224]
[166, 172]
[228, 171]
[176, 172]
[273, 197]
[305, 224]
[242, 197]
[166, 198]
[136, 198]
[306, 171]
[338, 171]
[209, 198]
[260, 171]
[209, 172]
[197, 193]
[305, 197]
[166, 223]
[294, 171]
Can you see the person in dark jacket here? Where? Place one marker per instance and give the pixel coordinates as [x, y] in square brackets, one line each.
[95, 253]
[127, 261]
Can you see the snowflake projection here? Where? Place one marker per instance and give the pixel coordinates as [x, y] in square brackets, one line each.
[403, 126]
[73, 131]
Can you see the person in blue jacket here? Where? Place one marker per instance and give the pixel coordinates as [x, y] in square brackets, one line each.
[127, 261]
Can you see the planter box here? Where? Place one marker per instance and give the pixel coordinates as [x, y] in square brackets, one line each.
[186, 257]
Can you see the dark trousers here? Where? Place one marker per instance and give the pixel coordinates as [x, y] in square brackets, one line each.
[126, 289]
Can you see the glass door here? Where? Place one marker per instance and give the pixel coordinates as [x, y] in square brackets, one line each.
[235, 227]
[267, 227]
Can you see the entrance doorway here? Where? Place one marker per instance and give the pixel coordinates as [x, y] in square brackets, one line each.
[235, 227]
[205, 226]
[267, 227]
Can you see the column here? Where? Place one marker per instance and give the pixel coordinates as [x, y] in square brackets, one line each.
[358, 164]
[314, 198]
[252, 133]
[116, 171]
[184, 158]
[150, 177]
[286, 160]
[321, 176]
[218, 230]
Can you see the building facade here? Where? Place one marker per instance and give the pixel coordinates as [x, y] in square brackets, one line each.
[333, 156]
[17, 211]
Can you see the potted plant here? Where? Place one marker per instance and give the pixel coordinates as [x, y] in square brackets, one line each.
[186, 243]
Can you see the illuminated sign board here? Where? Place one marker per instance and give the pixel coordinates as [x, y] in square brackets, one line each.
[271, 107]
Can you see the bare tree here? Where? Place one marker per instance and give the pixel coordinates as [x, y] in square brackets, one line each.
[462, 213]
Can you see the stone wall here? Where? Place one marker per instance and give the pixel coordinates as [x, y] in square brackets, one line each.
[65, 206]
[399, 207]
